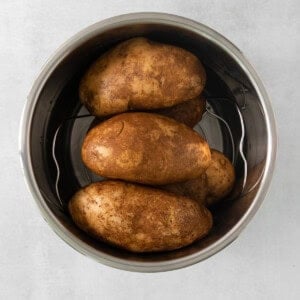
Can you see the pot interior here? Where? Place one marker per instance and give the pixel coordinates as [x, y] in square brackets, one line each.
[228, 91]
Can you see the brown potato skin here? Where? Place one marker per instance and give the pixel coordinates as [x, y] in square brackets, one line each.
[189, 112]
[213, 185]
[220, 177]
[138, 218]
[140, 74]
[195, 189]
[145, 148]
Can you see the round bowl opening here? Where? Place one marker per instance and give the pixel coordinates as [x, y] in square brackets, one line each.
[234, 94]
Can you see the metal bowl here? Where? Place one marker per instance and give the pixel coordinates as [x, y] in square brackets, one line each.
[239, 122]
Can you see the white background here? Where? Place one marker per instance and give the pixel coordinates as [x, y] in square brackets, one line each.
[263, 263]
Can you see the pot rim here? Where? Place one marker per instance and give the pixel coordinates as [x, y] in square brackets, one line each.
[49, 67]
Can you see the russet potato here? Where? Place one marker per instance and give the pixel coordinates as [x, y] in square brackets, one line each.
[189, 112]
[220, 177]
[138, 218]
[140, 74]
[213, 185]
[145, 148]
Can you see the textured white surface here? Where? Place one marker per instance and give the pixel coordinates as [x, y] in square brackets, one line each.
[263, 263]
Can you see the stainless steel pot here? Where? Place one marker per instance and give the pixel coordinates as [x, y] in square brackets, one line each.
[51, 133]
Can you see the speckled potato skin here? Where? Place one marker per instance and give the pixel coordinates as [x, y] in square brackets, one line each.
[213, 185]
[140, 74]
[189, 112]
[220, 177]
[194, 188]
[145, 148]
[138, 218]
